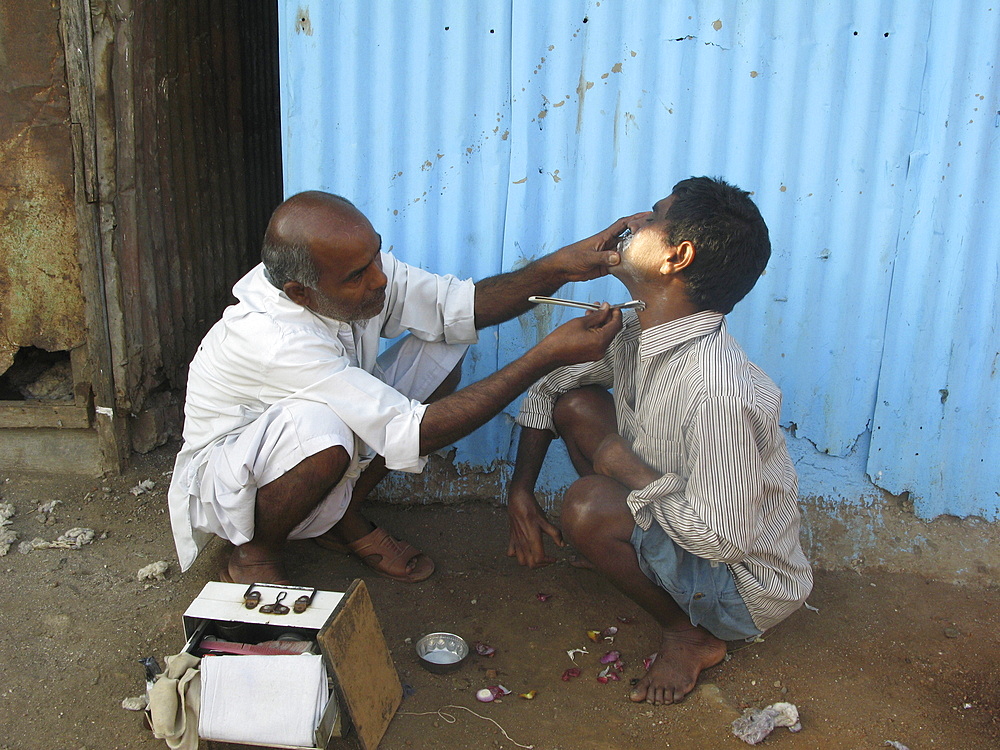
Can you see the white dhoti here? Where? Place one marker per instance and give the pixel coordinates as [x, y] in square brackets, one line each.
[223, 488]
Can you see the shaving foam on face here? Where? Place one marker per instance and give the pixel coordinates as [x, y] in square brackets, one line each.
[625, 241]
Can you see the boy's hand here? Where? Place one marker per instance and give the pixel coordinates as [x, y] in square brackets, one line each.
[527, 523]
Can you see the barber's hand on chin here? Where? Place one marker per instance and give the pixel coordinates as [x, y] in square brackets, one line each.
[592, 257]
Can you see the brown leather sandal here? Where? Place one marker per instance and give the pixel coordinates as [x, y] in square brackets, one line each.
[390, 557]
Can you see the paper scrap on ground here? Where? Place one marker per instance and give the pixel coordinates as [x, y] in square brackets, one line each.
[154, 571]
[138, 703]
[757, 723]
[7, 538]
[144, 486]
[73, 539]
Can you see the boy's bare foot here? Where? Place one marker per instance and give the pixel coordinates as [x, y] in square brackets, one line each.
[683, 655]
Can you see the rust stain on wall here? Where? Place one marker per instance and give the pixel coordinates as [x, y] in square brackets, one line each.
[303, 24]
[40, 300]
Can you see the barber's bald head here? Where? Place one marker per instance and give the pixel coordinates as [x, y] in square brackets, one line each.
[322, 252]
[303, 225]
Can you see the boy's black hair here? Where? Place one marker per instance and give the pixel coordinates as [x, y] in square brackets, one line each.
[729, 236]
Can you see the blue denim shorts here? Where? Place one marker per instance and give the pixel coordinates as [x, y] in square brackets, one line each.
[705, 591]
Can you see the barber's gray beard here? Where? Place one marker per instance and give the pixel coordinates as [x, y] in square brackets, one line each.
[329, 309]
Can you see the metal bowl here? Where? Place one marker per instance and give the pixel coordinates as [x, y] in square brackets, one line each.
[442, 653]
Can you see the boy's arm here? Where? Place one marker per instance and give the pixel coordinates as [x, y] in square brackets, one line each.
[615, 459]
[714, 511]
[526, 519]
[525, 516]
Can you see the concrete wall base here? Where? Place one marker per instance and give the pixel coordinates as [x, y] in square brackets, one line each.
[51, 450]
[888, 536]
[883, 534]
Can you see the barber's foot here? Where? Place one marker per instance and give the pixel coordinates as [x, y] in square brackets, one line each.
[386, 555]
[250, 565]
[683, 655]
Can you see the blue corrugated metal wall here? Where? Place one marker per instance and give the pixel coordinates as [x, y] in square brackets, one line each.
[479, 135]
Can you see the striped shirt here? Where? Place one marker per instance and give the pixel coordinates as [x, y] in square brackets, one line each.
[696, 409]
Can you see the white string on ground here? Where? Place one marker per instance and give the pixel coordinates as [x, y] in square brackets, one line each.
[451, 720]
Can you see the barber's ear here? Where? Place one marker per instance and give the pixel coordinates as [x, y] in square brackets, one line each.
[677, 258]
[297, 293]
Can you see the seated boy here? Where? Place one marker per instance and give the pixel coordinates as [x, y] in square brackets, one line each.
[687, 497]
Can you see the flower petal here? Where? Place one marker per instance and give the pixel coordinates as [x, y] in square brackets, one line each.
[610, 657]
[569, 674]
[543, 597]
[484, 649]
[529, 696]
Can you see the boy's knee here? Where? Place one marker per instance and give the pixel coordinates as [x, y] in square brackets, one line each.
[581, 405]
[582, 507]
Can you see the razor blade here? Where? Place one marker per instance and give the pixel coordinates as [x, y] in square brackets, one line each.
[634, 304]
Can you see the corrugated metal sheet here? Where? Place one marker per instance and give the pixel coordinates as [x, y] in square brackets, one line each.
[196, 97]
[477, 138]
[935, 423]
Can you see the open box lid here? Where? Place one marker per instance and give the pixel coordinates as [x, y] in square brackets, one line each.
[358, 658]
[350, 640]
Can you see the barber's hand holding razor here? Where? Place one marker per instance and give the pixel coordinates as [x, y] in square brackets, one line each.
[582, 339]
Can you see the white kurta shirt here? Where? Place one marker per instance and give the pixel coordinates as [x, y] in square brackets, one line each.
[267, 348]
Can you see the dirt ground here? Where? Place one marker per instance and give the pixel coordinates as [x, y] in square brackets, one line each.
[886, 657]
